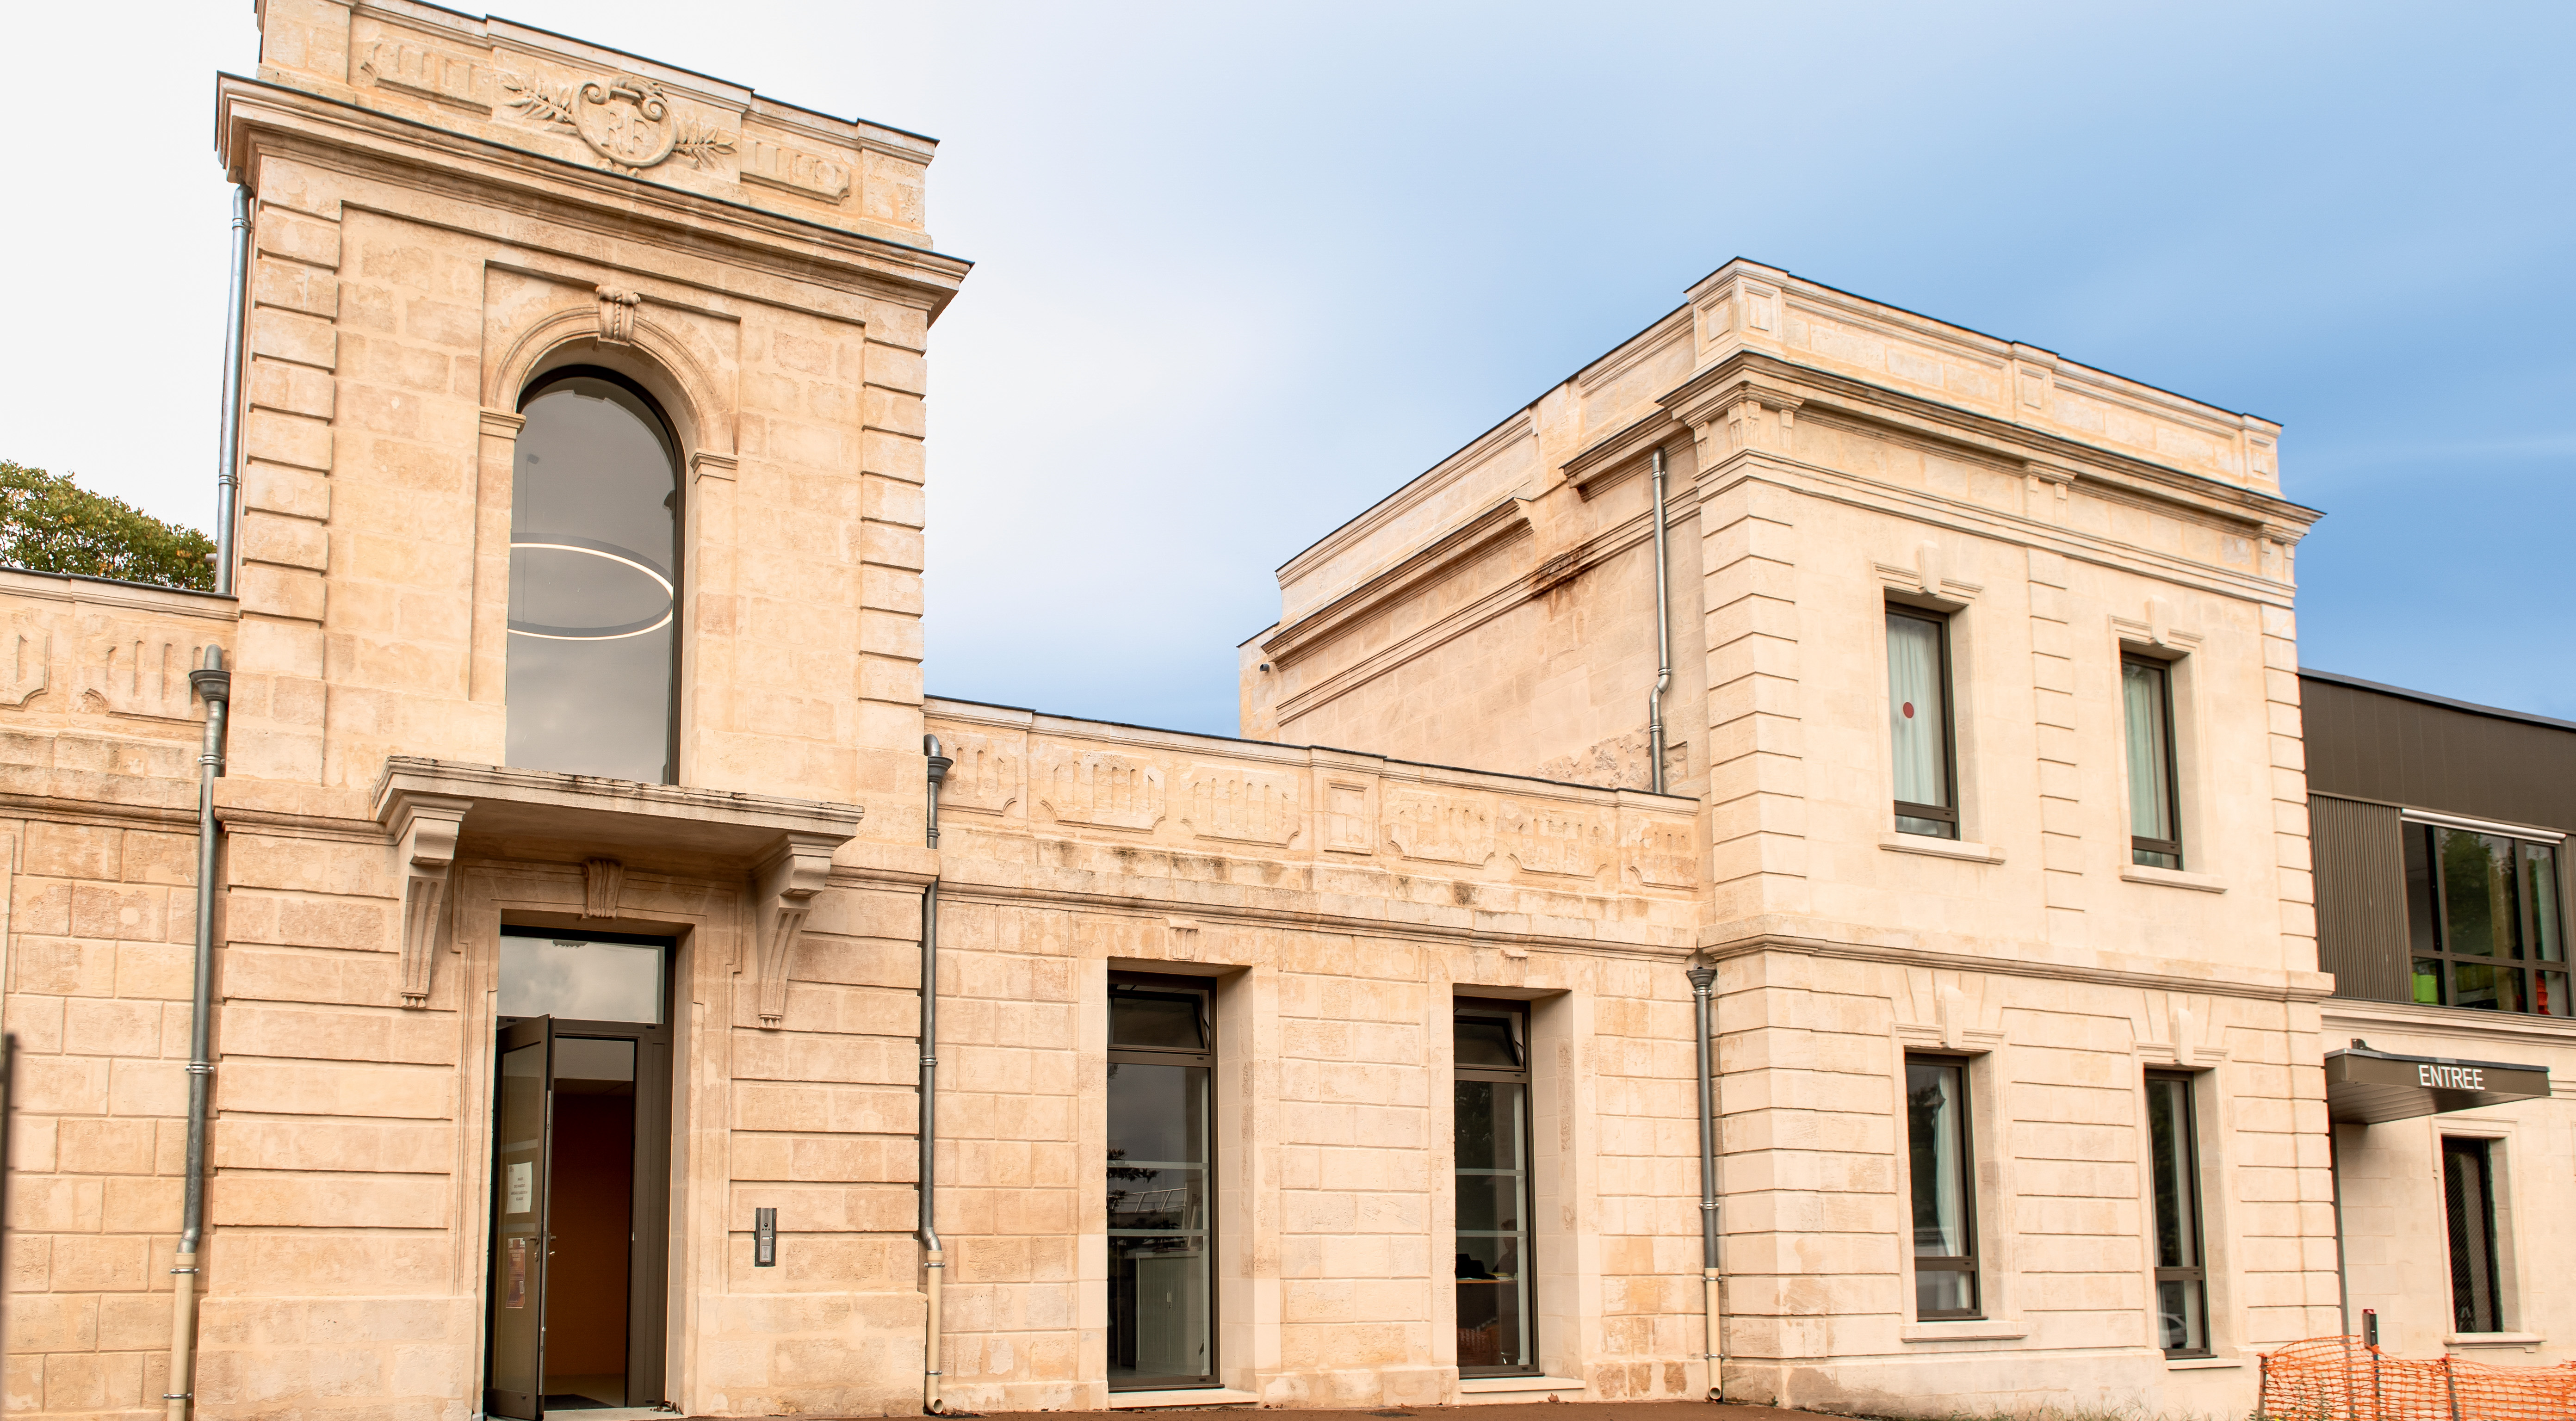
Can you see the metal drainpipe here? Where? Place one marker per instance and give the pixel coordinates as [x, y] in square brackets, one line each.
[228, 478]
[1703, 981]
[1663, 641]
[934, 1259]
[213, 685]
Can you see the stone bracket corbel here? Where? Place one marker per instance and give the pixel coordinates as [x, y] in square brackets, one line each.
[425, 833]
[783, 891]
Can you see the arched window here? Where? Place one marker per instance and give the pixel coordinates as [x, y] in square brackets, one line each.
[594, 580]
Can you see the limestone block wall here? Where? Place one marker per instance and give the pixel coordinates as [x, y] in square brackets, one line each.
[397, 314]
[1818, 1239]
[1499, 609]
[99, 738]
[1339, 903]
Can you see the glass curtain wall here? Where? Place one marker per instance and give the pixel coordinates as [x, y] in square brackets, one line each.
[1497, 1329]
[2146, 697]
[2182, 1297]
[1161, 1236]
[1939, 1170]
[1918, 721]
[2483, 914]
[594, 586]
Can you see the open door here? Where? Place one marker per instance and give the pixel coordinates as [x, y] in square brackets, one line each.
[581, 1134]
[523, 1132]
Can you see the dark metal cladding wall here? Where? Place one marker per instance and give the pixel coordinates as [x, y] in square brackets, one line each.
[2371, 744]
[2361, 897]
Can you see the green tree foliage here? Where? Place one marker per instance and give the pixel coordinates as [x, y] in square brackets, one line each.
[50, 524]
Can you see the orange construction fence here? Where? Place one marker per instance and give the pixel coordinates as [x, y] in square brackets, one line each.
[2345, 1379]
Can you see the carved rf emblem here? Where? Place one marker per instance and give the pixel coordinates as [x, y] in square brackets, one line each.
[626, 120]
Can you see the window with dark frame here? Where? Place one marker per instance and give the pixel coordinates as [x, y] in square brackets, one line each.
[1162, 1232]
[591, 676]
[2146, 698]
[1497, 1321]
[2182, 1280]
[1941, 1175]
[2483, 918]
[2468, 1206]
[1921, 744]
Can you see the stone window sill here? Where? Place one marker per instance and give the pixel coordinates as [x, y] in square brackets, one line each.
[1939, 848]
[2494, 1339]
[1975, 1329]
[1194, 1396]
[2202, 1364]
[2173, 878]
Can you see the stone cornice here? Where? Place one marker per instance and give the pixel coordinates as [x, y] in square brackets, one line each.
[255, 115]
[2023, 960]
[1614, 456]
[1520, 425]
[577, 816]
[1774, 379]
[1450, 927]
[109, 592]
[1681, 501]
[1506, 519]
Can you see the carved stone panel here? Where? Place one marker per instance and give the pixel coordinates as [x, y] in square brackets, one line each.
[1664, 853]
[1097, 788]
[773, 165]
[1245, 805]
[1439, 828]
[417, 69]
[144, 675]
[1346, 817]
[986, 777]
[26, 659]
[1556, 839]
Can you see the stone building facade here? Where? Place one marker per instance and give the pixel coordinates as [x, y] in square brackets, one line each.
[1427, 1031]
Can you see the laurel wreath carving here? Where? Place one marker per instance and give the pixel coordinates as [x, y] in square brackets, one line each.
[701, 144]
[539, 102]
[553, 105]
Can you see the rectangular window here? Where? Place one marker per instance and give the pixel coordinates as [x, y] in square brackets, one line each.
[2482, 912]
[1918, 720]
[1937, 1163]
[1161, 1239]
[1497, 1331]
[2468, 1202]
[2146, 695]
[2182, 1290]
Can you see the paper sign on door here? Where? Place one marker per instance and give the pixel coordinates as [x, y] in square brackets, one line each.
[515, 1291]
[522, 1188]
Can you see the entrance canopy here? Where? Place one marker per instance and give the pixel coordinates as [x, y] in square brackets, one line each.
[2365, 1087]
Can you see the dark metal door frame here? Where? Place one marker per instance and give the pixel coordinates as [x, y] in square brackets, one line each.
[648, 1264]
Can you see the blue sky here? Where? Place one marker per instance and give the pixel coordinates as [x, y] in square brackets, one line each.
[1243, 270]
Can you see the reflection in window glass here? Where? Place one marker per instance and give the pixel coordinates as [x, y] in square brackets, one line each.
[1496, 1328]
[2146, 696]
[581, 979]
[2484, 921]
[594, 546]
[2468, 1206]
[1918, 723]
[2182, 1303]
[1161, 1294]
[1936, 1137]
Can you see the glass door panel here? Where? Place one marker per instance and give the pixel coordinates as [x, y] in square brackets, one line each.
[521, 1126]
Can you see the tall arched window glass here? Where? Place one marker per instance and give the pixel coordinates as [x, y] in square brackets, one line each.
[594, 580]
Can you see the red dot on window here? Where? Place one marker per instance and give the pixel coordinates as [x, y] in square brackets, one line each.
[1909, 710]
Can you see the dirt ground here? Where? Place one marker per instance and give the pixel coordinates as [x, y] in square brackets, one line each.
[1514, 1411]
